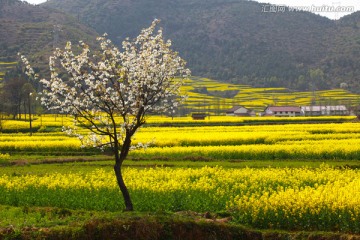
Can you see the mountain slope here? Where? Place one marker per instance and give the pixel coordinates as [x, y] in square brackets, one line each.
[230, 40]
[36, 30]
[233, 40]
[343, 56]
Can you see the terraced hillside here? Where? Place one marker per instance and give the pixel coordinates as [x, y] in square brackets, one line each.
[4, 67]
[36, 30]
[206, 95]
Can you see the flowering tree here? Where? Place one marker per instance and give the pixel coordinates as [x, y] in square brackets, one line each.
[112, 92]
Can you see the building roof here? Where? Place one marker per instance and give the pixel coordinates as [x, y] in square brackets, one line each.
[323, 108]
[233, 109]
[284, 109]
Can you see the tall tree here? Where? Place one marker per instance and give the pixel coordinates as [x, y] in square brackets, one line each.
[27, 92]
[12, 96]
[111, 93]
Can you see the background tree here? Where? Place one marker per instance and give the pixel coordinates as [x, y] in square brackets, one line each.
[317, 78]
[28, 92]
[12, 96]
[14, 92]
[112, 92]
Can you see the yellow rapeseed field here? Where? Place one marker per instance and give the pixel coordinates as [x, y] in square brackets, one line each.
[257, 142]
[310, 199]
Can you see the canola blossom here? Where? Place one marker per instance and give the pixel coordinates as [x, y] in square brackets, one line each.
[265, 142]
[301, 150]
[255, 98]
[296, 199]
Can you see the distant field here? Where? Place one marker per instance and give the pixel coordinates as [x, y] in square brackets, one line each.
[4, 67]
[206, 95]
[215, 97]
[218, 138]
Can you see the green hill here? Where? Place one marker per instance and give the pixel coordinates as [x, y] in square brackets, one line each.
[229, 40]
[235, 41]
[36, 30]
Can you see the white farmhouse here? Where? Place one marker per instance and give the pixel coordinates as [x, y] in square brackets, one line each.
[326, 110]
[240, 111]
[284, 111]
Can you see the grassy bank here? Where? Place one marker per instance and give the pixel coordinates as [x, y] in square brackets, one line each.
[54, 223]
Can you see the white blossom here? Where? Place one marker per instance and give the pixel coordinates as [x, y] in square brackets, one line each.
[111, 92]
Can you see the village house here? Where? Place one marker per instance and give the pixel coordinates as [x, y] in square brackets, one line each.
[240, 111]
[337, 110]
[284, 111]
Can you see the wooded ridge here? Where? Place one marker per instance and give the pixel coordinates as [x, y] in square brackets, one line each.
[230, 40]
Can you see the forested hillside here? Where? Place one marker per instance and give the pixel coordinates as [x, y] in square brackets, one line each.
[236, 41]
[36, 30]
[229, 40]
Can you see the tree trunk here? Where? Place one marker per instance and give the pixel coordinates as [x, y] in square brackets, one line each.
[119, 159]
[123, 188]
